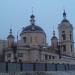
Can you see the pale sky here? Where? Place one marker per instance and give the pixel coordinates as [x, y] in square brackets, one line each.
[15, 14]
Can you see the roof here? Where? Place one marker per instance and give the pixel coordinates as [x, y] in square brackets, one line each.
[65, 20]
[54, 37]
[10, 36]
[32, 28]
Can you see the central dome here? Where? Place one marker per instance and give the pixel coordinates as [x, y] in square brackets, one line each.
[33, 35]
[32, 27]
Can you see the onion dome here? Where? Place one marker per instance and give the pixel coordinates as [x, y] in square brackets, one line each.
[64, 17]
[32, 27]
[10, 35]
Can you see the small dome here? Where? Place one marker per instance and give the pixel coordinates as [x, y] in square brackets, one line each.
[65, 23]
[64, 17]
[54, 37]
[32, 16]
[10, 35]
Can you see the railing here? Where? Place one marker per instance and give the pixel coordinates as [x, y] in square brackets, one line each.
[20, 67]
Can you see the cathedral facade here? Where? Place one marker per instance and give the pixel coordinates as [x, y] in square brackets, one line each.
[32, 46]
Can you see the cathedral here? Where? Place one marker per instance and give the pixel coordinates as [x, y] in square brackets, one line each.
[32, 46]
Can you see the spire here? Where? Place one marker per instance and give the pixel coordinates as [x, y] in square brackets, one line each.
[64, 14]
[10, 31]
[32, 20]
[32, 10]
[53, 33]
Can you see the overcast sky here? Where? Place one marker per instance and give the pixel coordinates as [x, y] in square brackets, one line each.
[15, 14]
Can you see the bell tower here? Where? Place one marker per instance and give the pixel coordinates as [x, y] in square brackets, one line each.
[65, 29]
[10, 39]
[54, 41]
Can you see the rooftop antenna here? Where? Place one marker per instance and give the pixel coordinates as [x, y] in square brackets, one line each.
[53, 31]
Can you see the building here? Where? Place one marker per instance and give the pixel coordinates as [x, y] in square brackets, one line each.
[32, 53]
[33, 48]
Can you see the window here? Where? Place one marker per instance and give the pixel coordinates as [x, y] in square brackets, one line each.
[46, 57]
[20, 61]
[49, 56]
[64, 48]
[9, 55]
[24, 38]
[63, 35]
[20, 54]
[53, 57]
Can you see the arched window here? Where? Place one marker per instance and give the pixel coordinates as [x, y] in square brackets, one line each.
[63, 35]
